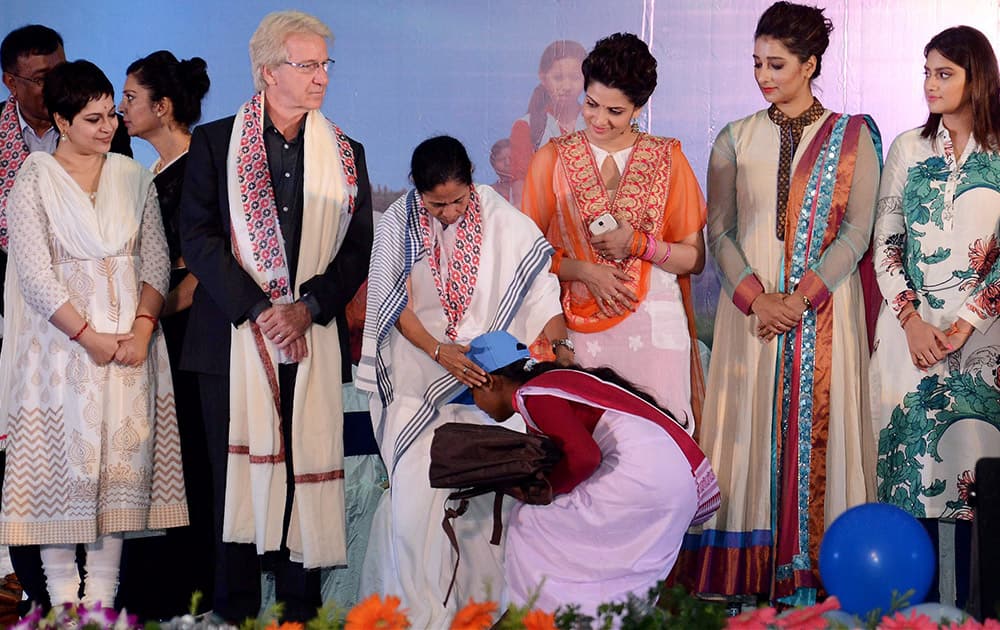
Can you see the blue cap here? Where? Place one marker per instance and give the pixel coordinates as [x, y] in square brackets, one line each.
[492, 351]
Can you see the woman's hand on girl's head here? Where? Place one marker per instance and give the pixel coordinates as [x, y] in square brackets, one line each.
[615, 244]
[452, 357]
[607, 285]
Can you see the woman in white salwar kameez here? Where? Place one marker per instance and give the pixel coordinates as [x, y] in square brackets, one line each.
[451, 260]
[937, 259]
[92, 448]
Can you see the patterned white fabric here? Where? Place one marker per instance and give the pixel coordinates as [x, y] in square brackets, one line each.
[92, 450]
[937, 241]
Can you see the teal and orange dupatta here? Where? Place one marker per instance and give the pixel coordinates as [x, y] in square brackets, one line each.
[783, 561]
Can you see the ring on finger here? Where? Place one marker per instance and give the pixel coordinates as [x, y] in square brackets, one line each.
[465, 369]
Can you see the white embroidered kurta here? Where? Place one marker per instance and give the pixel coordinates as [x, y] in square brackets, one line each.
[937, 241]
[92, 449]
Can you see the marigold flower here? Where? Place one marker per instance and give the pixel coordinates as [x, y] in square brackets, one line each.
[286, 625]
[474, 616]
[374, 614]
[539, 620]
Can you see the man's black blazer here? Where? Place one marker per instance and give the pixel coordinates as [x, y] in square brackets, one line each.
[119, 144]
[225, 292]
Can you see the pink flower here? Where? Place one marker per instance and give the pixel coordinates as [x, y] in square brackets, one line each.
[986, 304]
[758, 619]
[810, 618]
[893, 253]
[969, 624]
[915, 621]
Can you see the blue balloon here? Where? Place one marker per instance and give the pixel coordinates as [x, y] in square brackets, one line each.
[872, 550]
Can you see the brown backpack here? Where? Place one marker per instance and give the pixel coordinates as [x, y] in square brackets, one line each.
[478, 459]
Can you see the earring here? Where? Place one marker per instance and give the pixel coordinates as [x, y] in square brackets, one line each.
[634, 125]
[63, 136]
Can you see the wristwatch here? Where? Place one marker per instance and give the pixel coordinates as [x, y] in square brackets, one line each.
[565, 342]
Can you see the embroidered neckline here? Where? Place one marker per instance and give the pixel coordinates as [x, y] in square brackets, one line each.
[457, 284]
[791, 134]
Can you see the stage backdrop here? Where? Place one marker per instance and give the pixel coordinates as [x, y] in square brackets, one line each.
[409, 69]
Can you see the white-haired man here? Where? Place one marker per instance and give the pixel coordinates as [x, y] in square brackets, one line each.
[276, 224]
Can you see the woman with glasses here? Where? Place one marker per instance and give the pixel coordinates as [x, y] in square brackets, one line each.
[452, 260]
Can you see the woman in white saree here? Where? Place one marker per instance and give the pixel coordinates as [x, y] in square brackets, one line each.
[85, 389]
[451, 260]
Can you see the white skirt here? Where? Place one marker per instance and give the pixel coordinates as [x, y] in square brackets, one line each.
[618, 532]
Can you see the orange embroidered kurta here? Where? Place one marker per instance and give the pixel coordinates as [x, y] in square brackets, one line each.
[658, 193]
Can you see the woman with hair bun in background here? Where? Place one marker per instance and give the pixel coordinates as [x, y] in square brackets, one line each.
[787, 415]
[160, 103]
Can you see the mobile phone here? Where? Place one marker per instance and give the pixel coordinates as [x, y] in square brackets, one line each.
[602, 224]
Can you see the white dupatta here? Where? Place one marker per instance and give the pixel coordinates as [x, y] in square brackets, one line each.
[86, 230]
[256, 475]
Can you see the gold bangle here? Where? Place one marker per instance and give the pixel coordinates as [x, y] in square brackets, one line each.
[437, 352]
[807, 302]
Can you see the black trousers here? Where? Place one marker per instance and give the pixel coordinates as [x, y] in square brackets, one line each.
[238, 566]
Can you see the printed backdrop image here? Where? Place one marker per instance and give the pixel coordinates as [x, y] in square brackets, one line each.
[406, 70]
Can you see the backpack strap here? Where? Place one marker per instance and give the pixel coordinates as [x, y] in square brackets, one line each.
[449, 530]
[450, 514]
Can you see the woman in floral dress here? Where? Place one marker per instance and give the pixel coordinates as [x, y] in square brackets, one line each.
[936, 258]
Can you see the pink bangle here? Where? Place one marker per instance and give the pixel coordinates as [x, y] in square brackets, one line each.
[650, 247]
[665, 256]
